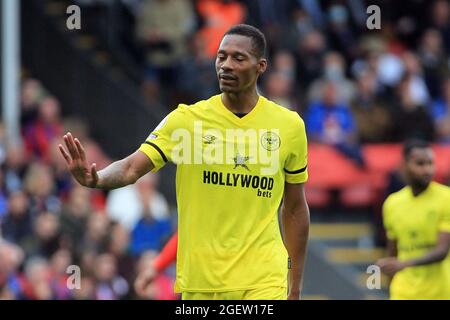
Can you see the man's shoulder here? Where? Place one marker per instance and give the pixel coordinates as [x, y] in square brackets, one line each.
[441, 190]
[197, 106]
[398, 197]
[283, 114]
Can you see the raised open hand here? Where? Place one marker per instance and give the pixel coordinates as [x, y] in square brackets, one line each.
[76, 162]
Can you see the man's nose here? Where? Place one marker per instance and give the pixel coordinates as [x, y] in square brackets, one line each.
[227, 64]
[429, 169]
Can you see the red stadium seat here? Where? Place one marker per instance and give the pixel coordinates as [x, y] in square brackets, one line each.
[358, 196]
[442, 162]
[381, 159]
[317, 197]
[329, 169]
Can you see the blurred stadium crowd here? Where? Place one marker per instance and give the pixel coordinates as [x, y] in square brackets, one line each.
[48, 221]
[351, 85]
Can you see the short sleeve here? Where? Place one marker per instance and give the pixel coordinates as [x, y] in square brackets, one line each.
[159, 144]
[444, 220]
[295, 167]
[387, 220]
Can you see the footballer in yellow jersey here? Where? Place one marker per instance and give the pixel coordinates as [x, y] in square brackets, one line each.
[238, 156]
[417, 223]
[230, 179]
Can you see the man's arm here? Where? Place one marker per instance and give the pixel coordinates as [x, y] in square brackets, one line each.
[295, 228]
[118, 174]
[392, 265]
[438, 253]
[124, 172]
[391, 248]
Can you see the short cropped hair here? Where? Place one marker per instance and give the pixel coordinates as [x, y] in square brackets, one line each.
[257, 37]
[412, 144]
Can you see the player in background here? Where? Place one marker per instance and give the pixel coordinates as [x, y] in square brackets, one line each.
[417, 223]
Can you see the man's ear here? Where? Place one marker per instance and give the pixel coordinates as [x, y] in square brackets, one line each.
[262, 66]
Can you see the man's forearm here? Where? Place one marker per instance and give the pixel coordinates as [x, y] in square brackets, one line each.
[114, 176]
[437, 254]
[295, 231]
[433, 256]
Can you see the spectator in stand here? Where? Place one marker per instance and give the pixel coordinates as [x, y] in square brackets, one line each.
[410, 118]
[3, 197]
[433, 59]
[46, 237]
[126, 205]
[163, 27]
[118, 246]
[14, 168]
[11, 281]
[416, 86]
[279, 84]
[371, 112]
[342, 37]
[37, 285]
[39, 134]
[278, 87]
[217, 17]
[17, 226]
[381, 59]
[95, 238]
[331, 122]
[87, 288]
[310, 55]
[162, 284]
[440, 20]
[153, 227]
[334, 71]
[40, 186]
[197, 74]
[299, 27]
[32, 94]
[2, 143]
[59, 262]
[440, 111]
[109, 285]
[272, 16]
[73, 218]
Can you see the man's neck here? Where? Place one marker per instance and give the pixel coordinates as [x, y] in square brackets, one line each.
[242, 102]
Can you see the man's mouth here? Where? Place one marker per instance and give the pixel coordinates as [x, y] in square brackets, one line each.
[227, 77]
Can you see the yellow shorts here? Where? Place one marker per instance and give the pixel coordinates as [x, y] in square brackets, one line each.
[266, 293]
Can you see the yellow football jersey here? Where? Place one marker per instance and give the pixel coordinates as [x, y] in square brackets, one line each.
[414, 222]
[229, 184]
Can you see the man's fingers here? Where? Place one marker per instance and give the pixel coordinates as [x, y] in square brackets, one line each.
[68, 139]
[94, 174]
[80, 149]
[74, 146]
[64, 154]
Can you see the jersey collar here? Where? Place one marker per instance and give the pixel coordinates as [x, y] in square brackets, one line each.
[234, 118]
